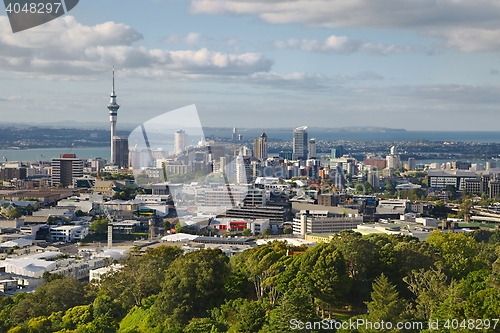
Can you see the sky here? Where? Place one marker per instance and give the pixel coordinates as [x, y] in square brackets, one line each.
[413, 64]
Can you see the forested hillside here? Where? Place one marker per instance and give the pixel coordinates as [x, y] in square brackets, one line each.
[274, 287]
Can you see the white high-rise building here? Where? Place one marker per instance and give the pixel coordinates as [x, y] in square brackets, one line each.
[300, 143]
[312, 148]
[234, 135]
[393, 161]
[241, 175]
[180, 141]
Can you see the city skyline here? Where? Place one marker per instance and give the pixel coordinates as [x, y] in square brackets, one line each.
[419, 66]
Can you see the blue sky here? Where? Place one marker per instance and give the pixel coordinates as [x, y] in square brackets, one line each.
[414, 64]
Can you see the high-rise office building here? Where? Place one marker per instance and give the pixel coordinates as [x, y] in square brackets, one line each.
[300, 143]
[121, 157]
[393, 161]
[260, 147]
[180, 141]
[312, 148]
[412, 163]
[234, 136]
[337, 152]
[65, 169]
[113, 115]
[97, 163]
[241, 175]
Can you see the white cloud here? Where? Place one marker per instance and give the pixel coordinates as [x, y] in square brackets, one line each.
[359, 13]
[189, 39]
[192, 38]
[16, 98]
[64, 48]
[295, 80]
[307, 82]
[469, 26]
[200, 40]
[67, 33]
[343, 45]
[469, 39]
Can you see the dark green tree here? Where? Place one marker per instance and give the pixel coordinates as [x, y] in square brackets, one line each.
[194, 284]
[204, 325]
[430, 290]
[14, 213]
[267, 232]
[48, 299]
[246, 232]
[99, 226]
[296, 307]
[385, 303]
[77, 316]
[459, 252]
[141, 275]
[440, 210]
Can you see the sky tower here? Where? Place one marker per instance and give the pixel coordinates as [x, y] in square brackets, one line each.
[113, 115]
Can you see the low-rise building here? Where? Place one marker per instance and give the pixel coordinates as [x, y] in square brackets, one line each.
[33, 265]
[18, 243]
[439, 179]
[257, 226]
[68, 233]
[95, 275]
[393, 206]
[80, 269]
[9, 285]
[126, 227]
[397, 228]
[308, 224]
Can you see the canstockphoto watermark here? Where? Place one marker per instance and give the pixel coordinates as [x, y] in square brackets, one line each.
[360, 323]
[332, 324]
[26, 14]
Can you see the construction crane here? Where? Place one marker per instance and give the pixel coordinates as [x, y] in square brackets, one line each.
[110, 225]
[71, 148]
[107, 214]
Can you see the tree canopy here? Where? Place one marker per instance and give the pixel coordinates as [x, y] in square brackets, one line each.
[273, 287]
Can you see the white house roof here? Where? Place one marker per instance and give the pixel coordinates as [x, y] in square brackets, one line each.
[115, 252]
[32, 265]
[21, 242]
[180, 237]
[407, 186]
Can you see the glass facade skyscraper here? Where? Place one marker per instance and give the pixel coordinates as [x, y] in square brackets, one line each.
[300, 143]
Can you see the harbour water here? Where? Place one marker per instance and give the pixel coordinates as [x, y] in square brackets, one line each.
[46, 154]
